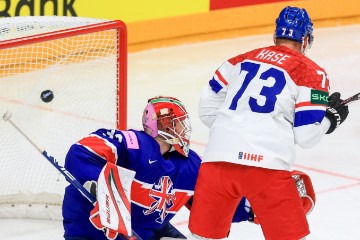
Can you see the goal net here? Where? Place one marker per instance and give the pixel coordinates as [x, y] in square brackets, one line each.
[61, 78]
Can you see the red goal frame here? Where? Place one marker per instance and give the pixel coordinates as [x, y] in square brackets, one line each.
[121, 56]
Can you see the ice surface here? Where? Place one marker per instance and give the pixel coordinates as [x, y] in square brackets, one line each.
[182, 71]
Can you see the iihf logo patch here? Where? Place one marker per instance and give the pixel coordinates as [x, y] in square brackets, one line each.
[250, 156]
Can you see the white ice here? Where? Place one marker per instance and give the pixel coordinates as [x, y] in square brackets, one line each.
[182, 71]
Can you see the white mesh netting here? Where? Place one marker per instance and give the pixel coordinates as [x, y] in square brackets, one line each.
[82, 72]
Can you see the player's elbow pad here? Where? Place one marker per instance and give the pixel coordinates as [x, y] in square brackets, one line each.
[306, 144]
[308, 141]
[309, 135]
[208, 120]
[207, 114]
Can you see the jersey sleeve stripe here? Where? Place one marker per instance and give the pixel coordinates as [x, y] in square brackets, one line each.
[221, 78]
[306, 104]
[311, 107]
[100, 147]
[308, 117]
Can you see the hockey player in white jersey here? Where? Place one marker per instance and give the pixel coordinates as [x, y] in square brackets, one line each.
[258, 106]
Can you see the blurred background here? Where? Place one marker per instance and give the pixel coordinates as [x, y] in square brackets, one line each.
[175, 46]
[159, 23]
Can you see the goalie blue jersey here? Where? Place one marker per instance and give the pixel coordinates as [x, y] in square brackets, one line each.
[162, 184]
[160, 188]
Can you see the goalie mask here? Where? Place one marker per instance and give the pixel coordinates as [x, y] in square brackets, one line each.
[167, 118]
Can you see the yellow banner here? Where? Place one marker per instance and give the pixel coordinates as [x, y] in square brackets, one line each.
[127, 11]
[139, 10]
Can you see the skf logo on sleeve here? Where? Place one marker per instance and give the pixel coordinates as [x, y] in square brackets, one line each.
[319, 97]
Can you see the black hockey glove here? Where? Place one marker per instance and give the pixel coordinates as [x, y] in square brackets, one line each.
[336, 112]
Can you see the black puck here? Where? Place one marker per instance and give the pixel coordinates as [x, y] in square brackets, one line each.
[47, 96]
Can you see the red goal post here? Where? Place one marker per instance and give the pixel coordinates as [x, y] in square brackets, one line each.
[82, 62]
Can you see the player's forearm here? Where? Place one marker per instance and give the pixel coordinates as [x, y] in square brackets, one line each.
[309, 135]
[210, 103]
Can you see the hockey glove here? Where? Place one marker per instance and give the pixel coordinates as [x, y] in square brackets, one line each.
[336, 112]
[305, 189]
[306, 192]
[111, 212]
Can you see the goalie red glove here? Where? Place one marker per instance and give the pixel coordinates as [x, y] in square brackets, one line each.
[305, 189]
[111, 212]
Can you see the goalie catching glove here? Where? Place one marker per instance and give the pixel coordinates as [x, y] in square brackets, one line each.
[305, 189]
[111, 212]
[306, 192]
[336, 112]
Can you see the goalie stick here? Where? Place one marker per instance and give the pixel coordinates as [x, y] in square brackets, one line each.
[68, 176]
[351, 99]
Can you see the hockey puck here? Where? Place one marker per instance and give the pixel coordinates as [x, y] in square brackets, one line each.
[47, 96]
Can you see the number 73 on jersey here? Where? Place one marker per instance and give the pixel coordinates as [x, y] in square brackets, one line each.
[268, 92]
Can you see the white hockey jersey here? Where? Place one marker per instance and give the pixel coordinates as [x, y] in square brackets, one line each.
[260, 104]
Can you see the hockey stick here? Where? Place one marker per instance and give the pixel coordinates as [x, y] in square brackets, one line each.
[68, 176]
[351, 99]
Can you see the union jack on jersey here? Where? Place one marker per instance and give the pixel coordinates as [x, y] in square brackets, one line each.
[163, 196]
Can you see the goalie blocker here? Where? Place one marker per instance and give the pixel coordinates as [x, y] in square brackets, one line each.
[112, 211]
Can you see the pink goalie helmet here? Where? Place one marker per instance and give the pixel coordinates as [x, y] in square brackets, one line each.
[167, 118]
